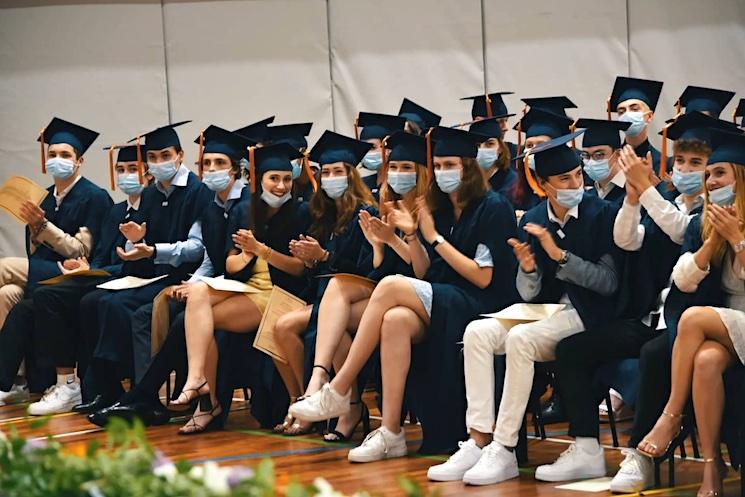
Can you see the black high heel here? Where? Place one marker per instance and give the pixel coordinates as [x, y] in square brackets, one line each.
[197, 428]
[364, 419]
[192, 401]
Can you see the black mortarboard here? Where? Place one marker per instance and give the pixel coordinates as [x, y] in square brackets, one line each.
[422, 117]
[557, 105]
[221, 141]
[407, 147]
[294, 134]
[255, 131]
[539, 122]
[61, 131]
[727, 147]
[333, 147]
[162, 137]
[601, 132]
[696, 98]
[697, 126]
[379, 125]
[554, 157]
[488, 128]
[495, 108]
[646, 90]
[450, 142]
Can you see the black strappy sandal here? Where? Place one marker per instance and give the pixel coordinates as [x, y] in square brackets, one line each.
[197, 428]
[364, 419]
[191, 401]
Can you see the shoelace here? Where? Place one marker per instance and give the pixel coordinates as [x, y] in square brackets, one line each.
[373, 434]
[324, 397]
[567, 454]
[460, 454]
[50, 393]
[631, 463]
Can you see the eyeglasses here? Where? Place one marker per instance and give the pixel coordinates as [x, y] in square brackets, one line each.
[600, 155]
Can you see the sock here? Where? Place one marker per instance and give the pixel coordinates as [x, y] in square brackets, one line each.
[588, 445]
[66, 379]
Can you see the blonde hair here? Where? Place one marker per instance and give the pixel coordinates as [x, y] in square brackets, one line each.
[387, 194]
[708, 228]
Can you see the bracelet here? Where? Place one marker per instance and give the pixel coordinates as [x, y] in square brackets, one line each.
[41, 228]
[739, 246]
[268, 253]
[410, 238]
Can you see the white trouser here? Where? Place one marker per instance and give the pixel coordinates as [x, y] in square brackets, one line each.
[524, 344]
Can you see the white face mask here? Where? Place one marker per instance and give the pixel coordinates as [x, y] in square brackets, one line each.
[163, 171]
[60, 168]
[486, 157]
[274, 201]
[636, 118]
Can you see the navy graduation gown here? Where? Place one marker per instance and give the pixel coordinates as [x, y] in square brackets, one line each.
[502, 180]
[83, 206]
[437, 386]
[590, 236]
[615, 196]
[371, 182]
[513, 150]
[217, 223]
[105, 256]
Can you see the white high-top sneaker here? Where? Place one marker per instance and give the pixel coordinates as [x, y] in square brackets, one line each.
[636, 473]
[456, 466]
[378, 445]
[322, 405]
[495, 465]
[16, 395]
[573, 464]
[57, 399]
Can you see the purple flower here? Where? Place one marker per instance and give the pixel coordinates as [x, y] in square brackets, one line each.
[239, 474]
[33, 444]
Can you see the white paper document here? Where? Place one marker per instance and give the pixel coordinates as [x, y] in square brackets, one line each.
[128, 282]
[522, 313]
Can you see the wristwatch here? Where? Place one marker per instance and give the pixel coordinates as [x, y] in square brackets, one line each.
[438, 240]
[739, 246]
[564, 258]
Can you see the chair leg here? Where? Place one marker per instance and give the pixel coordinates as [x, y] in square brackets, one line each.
[611, 418]
[246, 396]
[657, 477]
[168, 390]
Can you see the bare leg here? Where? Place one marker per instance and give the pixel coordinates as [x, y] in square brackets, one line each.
[335, 314]
[402, 327]
[392, 291]
[697, 325]
[199, 325]
[288, 330]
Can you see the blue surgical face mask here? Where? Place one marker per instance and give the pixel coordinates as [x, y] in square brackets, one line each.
[129, 183]
[297, 168]
[372, 161]
[274, 201]
[448, 180]
[531, 162]
[688, 183]
[597, 170]
[217, 181]
[402, 183]
[724, 196]
[334, 186]
[487, 157]
[60, 168]
[163, 171]
[569, 197]
[636, 118]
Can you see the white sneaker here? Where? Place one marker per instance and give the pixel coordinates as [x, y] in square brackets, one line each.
[456, 466]
[322, 405]
[16, 395]
[496, 464]
[636, 473]
[378, 445]
[573, 464]
[56, 400]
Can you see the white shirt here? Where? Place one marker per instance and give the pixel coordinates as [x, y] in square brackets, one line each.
[619, 180]
[573, 212]
[59, 197]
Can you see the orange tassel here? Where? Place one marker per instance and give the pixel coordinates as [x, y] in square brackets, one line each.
[734, 116]
[356, 129]
[572, 129]
[488, 106]
[200, 155]
[607, 107]
[43, 153]
[430, 166]
[252, 168]
[309, 171]
[111, 167]
[531, 180]
[383, 176]
[140, 166]
[663, 154]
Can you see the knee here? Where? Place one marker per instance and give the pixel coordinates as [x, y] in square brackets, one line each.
[477, 332]
[198, 293]
[690, 321]
[285, 327]
[394, 325]
[708, 363]
[387, 288]
[518, 340]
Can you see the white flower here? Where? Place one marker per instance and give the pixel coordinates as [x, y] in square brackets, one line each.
[325, 489]
[213, 476]
[167, 471]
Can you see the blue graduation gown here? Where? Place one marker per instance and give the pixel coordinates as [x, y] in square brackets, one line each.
[590, 236]
[371, 182]
[615, 196]
[502, 180]
[85, 205]
[437, 386]
[105, 256]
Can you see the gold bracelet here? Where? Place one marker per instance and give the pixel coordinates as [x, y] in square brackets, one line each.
[268, 253]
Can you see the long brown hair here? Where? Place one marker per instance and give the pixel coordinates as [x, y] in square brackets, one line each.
[387, 194]
[472, 186]
[708, 228]
[326, 219]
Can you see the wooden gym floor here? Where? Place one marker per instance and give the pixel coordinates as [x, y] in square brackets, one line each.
[309, 456]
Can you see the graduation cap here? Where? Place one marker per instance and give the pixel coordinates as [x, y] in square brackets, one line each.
[739, 112]
[696, 98]
[552, 158]
[488, 105]
[601, 132]
[539, 122]
[420, 116]
[294, 134]
[61, 131]
[277, 157]
[162, 137]
[378, 125]
[216, 140]
[255, 131]
[451, 142]
[697, 126]
[646, 90]
[488, 128]
[407, 147]
[557, 105]
[333, 147]
[727, 147]
[126, 153]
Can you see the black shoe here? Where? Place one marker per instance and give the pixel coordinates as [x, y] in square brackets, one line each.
[149, 415]
[96, 404]
[553, 412]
